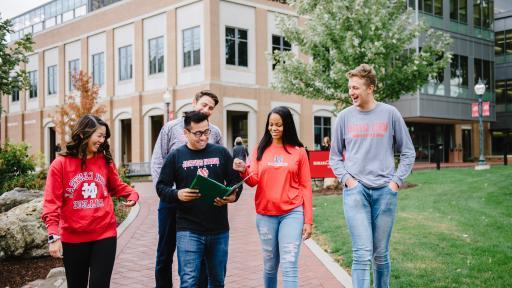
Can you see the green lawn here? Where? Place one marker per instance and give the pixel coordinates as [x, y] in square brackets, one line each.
[453, 230]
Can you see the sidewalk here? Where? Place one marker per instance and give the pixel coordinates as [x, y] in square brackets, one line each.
[136, 249]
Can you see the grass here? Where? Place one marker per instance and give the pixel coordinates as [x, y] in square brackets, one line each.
[453, 230]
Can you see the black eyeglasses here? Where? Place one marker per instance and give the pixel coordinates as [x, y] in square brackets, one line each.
[198, 134]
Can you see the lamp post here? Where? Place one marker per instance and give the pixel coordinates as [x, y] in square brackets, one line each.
[480, 90]
[167, 97]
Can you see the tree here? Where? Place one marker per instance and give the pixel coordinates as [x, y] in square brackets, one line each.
[339, 35]
[11, 56]
[68, 113]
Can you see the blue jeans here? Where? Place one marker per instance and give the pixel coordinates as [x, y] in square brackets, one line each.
[370, 215]
[166, 244]
[281, 237]
[192, 248]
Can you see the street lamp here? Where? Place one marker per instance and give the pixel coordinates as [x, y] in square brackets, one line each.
[479, 90]
[167, 98]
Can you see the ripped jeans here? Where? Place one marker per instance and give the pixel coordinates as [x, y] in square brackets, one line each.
[281, 237]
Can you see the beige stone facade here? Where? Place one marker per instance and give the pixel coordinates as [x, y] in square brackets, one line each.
[135, 114]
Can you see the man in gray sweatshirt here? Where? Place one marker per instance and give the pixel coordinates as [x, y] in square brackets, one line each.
[362, 149]
[171, 137]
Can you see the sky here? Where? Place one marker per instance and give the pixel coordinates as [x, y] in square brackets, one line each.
[12, 8]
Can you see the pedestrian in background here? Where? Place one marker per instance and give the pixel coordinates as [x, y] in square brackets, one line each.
[239, 150]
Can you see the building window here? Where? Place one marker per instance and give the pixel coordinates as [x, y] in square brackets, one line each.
[32, 78]
[322, 129]
[501, 90]
[236, 47]
[125, 63]
[499, 43]
[156, 55]
[508, 42]
[98, 69]
[15, 95]
[279, 43]
[73, 68]
[52, 80]
[483, 13]
[434, 7]
[484, 70]
[458, 75]
[191, 47]
[459, 11]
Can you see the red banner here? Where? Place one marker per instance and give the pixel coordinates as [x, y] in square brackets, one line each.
[474, 109]
[485, 109]
[319, 164]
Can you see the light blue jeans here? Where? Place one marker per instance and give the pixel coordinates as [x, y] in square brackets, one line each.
[370, 215]
[193, 248]
[280, 238]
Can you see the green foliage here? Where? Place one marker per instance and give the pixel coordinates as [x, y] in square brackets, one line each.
[11, 56]
[339, 35]
[452, 230]
[122, 174]
[15, 161]
[17, 168]
[32, 181]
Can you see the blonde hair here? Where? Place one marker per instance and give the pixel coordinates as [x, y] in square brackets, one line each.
[365, 72]
[239, 140]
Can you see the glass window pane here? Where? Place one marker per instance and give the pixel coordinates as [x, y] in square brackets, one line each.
[242, 34]
[230, 32]
[427, 6]
[318, 120]
[438, 7]
[499, 43]
[508, 42]
[187, 59]
[463, 11]
[477, 13]
[197, 57]
[500, 91]
[230, 51]
[276, 40]
[242, 53]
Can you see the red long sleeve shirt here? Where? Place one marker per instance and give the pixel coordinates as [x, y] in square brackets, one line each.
[77, 202]
[284, 181]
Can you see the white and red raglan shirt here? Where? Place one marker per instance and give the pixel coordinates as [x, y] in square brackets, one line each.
[78, 202]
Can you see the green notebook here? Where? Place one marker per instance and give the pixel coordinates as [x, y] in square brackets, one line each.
[211, 189]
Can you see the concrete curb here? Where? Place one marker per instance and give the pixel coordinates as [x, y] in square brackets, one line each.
[129, 219]
[331, 265]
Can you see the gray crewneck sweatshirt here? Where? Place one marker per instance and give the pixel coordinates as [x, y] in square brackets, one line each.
[366, 139]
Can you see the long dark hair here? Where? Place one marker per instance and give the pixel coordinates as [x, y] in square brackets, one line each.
[80, 135]
[290, 136]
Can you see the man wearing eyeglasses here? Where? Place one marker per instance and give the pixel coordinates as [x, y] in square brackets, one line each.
[171, 137]
[202, 226]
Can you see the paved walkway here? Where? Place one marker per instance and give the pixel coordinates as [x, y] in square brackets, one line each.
[136, 249]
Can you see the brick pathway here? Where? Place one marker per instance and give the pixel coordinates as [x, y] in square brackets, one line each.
[136, 249]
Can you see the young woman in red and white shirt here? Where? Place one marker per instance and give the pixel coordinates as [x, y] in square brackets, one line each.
[78, 210]
[280, 168]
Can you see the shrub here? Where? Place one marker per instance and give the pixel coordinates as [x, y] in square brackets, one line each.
[15, 163]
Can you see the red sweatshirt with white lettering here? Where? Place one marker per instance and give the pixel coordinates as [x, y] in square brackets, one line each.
[78, 202]
[283, 179]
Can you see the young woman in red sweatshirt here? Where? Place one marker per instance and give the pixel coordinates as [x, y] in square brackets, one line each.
[280, 168]
[78, 210]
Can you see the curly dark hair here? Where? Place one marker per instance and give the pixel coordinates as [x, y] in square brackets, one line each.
[80, 135]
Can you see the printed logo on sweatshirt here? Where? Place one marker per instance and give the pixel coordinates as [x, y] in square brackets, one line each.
[203, 172]
[368, 130]
[200, 162]
[278, 162]
[88, 183]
